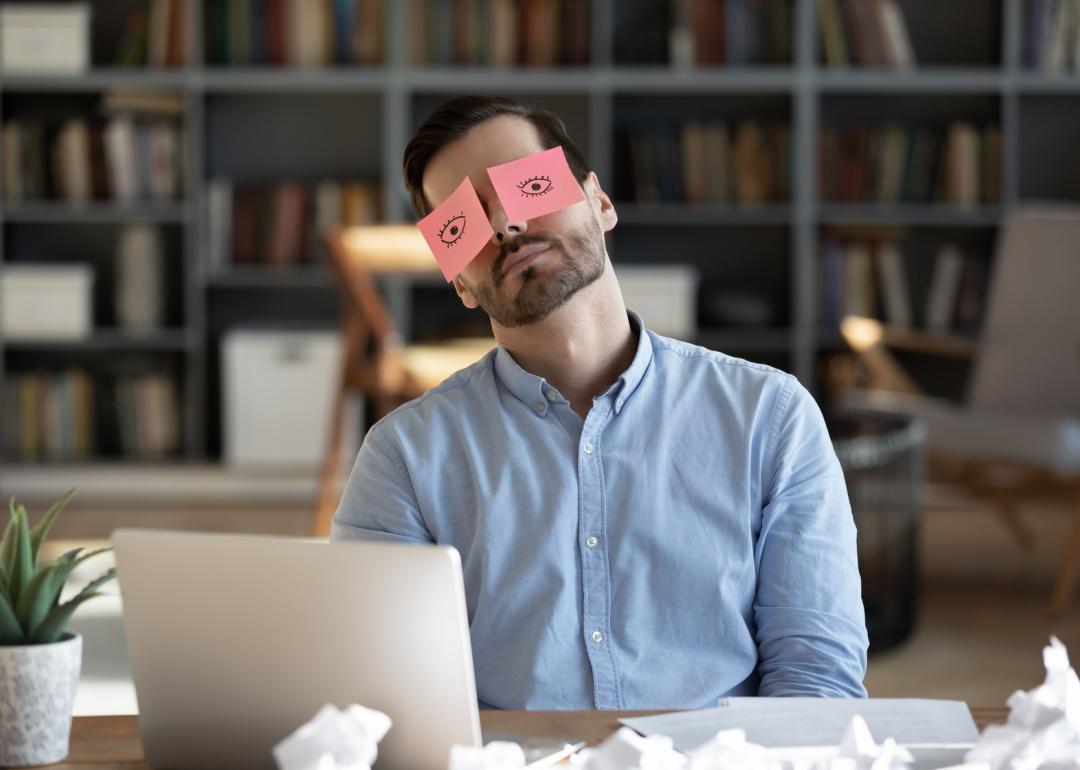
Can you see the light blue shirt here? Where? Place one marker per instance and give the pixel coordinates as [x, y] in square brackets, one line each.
[691, 538]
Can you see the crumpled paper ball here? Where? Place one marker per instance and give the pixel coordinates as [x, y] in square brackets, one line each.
[497, 755]
[859, 747]
[1043, 729]
[730, 749]
[626, 750]
[334, 740]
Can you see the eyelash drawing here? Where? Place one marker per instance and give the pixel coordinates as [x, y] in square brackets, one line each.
[534, 186]
[456, 231]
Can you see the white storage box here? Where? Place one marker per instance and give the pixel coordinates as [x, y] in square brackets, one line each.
[279, 387]
[45, 38]
[665, 296]
[46, 302]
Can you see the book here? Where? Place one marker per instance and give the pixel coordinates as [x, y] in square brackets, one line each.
[898, 50]
[860, 292]
[892, 279]
[282, 224]
[963, 184]
[49, 415]
[126, 156]
[161, 15]
[893, 164]
[717, 162]
[944, 285]
[499, 33]
[869, 33]
[751, 169]
[219, 223]
[833, 40]
[709, 32]
[121, 153]
[72, 172]
[140, 278]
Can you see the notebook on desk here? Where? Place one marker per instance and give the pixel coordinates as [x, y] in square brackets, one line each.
[237, 640]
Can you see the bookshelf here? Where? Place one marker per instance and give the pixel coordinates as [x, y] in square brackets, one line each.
[265, 124]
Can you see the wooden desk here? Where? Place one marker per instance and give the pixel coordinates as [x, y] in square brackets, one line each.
[112, 743]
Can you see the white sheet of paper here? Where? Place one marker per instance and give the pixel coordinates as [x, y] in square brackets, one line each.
[798, 722]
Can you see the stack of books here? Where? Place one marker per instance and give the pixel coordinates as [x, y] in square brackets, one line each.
[71, 415]
[731, 32]
[133, 152]
[156, 35]
[893, 164]
[872, 278]
[500, 33]
[710, 162]
[294, 33]
[869, 33]
[1052, 35]
[283, 224]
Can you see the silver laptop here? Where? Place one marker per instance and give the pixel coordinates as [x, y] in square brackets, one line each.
[237, 640]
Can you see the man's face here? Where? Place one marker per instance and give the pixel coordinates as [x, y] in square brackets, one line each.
[528, 268]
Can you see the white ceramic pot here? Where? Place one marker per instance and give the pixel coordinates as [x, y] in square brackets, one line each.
[37, 696]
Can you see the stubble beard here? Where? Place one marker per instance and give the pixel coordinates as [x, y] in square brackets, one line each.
[542, 291]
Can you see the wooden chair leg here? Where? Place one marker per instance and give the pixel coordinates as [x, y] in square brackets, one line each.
[1009, 516]
[1070, 561]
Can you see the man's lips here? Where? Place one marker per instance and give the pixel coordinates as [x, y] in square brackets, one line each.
[523, 254]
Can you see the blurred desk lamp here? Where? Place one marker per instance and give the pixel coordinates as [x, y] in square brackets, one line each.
[871, 341]
[865, 337]
[375, 362]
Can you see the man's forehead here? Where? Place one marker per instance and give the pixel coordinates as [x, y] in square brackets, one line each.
[496, 140]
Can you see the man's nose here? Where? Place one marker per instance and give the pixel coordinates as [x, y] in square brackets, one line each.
[504, 229]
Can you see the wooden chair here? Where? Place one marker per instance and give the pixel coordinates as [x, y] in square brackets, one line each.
[375, 362]
[1017, 435]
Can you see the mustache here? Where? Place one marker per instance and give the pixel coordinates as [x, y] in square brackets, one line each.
[509, 248]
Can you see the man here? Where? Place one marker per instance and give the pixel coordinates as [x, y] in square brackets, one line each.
[642, 523]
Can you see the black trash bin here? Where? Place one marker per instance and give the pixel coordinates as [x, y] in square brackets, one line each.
[884, 462]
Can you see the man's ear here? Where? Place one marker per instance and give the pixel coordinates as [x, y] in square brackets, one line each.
[600, 202]
[467, 298]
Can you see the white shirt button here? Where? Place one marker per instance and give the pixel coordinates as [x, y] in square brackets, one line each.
[592, 541]
[587, 449]
[539, 406]
[550, 393]
[597, 637]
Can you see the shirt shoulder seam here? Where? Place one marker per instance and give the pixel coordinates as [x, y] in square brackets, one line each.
[783, 406]
[719, 358]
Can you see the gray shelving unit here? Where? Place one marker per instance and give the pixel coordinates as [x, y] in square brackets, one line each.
[263, 124]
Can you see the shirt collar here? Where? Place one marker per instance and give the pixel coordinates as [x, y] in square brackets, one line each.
[632, 377]
[536, 394]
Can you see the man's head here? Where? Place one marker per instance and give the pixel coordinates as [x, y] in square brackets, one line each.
[529, 268]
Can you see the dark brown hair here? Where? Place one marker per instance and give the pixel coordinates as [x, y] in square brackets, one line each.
[453, 118]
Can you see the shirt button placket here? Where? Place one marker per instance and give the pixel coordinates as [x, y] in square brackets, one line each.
[594, 562]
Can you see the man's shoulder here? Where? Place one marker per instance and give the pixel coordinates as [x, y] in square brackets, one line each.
[678, 353]
[450, 397]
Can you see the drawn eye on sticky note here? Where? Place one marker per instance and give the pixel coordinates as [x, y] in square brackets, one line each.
[457, 230]
[535, 185]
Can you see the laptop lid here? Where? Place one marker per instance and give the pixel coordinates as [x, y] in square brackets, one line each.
[236, 640]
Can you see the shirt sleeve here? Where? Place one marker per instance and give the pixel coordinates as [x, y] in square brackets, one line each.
[379, 502]
[811, 628]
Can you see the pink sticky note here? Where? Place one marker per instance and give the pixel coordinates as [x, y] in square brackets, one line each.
[457, 230]
[535, 185]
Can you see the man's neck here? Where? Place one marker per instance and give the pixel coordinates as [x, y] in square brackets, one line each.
[582, 347]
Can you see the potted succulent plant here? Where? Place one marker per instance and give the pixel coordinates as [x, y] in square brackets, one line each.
[39, 660]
